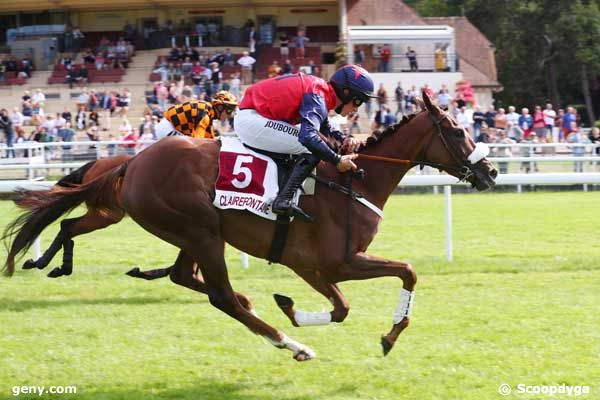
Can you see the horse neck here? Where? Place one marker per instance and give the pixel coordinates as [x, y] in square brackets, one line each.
[406, 143]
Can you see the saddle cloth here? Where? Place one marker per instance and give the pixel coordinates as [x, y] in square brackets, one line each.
[247, 180]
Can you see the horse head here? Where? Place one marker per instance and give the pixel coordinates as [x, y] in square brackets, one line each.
[453, 150]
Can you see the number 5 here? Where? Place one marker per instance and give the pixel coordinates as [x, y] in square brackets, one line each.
[239, 169]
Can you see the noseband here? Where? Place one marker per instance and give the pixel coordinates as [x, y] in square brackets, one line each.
[466, 169]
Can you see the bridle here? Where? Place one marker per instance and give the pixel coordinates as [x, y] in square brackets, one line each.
[464, 172]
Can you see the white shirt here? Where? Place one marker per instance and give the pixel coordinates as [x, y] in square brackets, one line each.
[246, 62]
[462, 119]
[38, 98]
[549, 116]
[17, 118]
[513, 118]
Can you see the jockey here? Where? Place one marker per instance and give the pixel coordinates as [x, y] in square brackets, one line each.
[194, 118]
[271, 109]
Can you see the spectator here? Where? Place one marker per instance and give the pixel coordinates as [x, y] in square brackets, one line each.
[567, 119]
[39, 97]
[235, 85]
[93, 101]
[399, 94]
[129, 32]
[412, 59]
[131, 137]
[7, 126]
[526, 123]
[94, 117]
[503, 151]
[17, 118]
[594, 138]
[354, 124]
[512, 116]
[382, 97]
[80, 119]
[300, 42]
[578, 140]
[88, 57]
[287, 67]
[83, 98]
[490, 117]
[359, 55]
[549, 117]
[123, 102]
[27, 111]
[252, 41]
[390, 118]
[213, 32]
[539, 124]
[513, 132]
[93, 134]
[37, 114]
[66, 114]
[186, 68]
[66, 134]
[386, 54]
[60, 122]
[100, 62]
[216, 77]
[462, 119]
[444, 98]
[162, 95]
[284, 44]
[174, 54]
[439, 56]
[478, 120]
[274, 69]
[500, 119]
[201, 32]
[163, 71]
[228, 58]
[77, 39]
[246, 62]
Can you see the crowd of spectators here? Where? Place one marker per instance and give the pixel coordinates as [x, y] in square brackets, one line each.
[21, 68]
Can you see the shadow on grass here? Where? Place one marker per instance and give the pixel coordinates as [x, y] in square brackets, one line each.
[212, 390]
[24, 305]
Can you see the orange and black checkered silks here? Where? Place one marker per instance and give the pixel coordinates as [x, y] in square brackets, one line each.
[192, 118]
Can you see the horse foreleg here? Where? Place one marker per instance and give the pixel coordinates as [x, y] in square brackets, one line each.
[61, 240]
[327, 289]
[362, 266]
[209, 252]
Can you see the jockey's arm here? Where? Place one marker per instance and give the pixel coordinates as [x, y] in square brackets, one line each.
[204, 129]
[314, 112]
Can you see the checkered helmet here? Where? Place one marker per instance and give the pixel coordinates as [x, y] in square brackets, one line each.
[224, 97]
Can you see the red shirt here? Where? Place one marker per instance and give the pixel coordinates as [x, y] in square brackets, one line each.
[281, 98]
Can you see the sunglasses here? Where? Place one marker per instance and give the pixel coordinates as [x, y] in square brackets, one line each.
[357, 102]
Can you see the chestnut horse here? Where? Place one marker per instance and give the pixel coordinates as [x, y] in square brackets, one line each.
[169, 188]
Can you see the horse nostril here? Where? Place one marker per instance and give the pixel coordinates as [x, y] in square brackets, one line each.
[494, 173]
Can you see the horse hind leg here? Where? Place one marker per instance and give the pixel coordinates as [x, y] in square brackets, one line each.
[59, 241]
[91, 221]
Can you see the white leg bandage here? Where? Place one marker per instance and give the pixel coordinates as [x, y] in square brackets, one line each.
[292, 345]
[405, 305]
[304, 318]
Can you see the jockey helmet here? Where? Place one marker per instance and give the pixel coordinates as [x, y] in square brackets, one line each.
[352, 82]
[225, 98]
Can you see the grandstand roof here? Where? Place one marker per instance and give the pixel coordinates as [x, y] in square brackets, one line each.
[42, 5]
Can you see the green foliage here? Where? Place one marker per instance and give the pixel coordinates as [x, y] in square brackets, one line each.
[530, 36]
[518, 305]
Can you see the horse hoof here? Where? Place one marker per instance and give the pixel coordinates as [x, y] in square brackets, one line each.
[55, 273]
[29, 264]
[283, 301]
[134, 272]
[304, 355]
[386, 345]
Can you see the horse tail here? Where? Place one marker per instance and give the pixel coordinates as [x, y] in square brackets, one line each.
[42, 207]
[76, 177]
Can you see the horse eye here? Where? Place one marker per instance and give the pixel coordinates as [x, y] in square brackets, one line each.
[459, 133]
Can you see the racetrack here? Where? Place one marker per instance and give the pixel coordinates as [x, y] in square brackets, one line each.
[520, 304]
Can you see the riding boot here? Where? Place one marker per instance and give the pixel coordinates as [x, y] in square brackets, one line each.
[283, 203]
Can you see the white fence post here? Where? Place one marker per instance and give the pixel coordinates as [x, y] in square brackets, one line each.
[245, 260]
[37, 248]
[448, 202]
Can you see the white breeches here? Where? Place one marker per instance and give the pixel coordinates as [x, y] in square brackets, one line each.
[266, 134]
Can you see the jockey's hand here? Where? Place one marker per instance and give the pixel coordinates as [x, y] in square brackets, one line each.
[346, 163]
[351, 144]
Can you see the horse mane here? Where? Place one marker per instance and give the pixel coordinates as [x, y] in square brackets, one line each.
[378, 135]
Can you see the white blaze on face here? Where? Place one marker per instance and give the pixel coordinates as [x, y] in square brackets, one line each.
[480, 152]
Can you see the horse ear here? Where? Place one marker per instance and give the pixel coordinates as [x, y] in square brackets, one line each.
[430, 107]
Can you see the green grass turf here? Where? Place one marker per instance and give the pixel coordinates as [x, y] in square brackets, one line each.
[520, 304]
